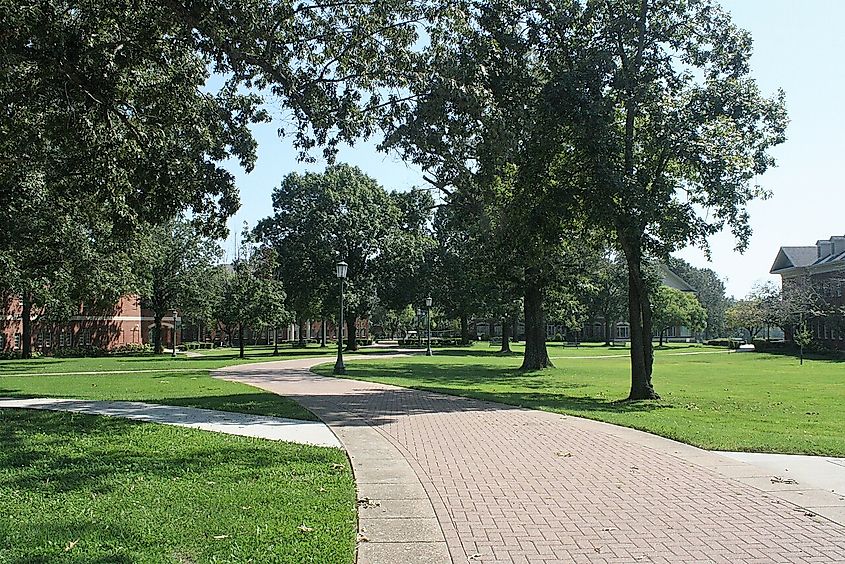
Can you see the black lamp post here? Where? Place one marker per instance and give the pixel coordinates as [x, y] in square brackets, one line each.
[428, 325]
[339, 368]
[173, 354]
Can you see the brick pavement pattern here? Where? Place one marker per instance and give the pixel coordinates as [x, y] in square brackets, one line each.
[515, 485]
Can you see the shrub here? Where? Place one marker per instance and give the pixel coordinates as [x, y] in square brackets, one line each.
[729, 343]
[16, 355]
[558, 337]
[130, 349]
[79, 352]
[192, 345]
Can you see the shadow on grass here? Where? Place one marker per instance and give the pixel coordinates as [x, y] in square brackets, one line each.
[35, 448]
[259, 403]
[432, 388]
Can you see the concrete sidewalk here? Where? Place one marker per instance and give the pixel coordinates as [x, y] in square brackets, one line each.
[449, 479]
[822, 472]
[258, 426]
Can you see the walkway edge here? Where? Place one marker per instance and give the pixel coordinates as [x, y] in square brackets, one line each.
[397, 520]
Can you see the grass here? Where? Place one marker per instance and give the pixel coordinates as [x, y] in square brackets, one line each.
[208, 360]
[191, 387]
[749, 402]
[183, 381]
[78, 488]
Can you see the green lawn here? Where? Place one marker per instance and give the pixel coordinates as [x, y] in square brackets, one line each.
[156, 378]
[78, 488]
[189, 387]
[109, 490]
[749, 401]
[209, 360]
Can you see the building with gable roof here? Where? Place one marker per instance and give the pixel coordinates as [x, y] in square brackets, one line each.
[822, 266]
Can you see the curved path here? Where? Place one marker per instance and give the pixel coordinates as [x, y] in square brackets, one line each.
[448, 479]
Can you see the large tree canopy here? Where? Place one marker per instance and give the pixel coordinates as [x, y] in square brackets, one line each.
[106, 116]
[175, 267]
[661, 109]
[343, 214]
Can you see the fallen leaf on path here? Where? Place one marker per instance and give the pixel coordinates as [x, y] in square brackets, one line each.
[71, 544]
[597, 549]
[367, 502]
[779, 480]
[362, 538]
[606, 529]
[564, 454]
[476, 556]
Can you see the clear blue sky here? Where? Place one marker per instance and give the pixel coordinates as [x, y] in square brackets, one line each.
[798, 46]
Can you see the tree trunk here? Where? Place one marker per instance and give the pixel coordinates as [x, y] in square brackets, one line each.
[323, 333]
[158, 345]
[640, 320]
[536, 356]
[662, 332]
[241, 339]
[606, 331]
[26, 326]
[302, 333]
[464, 330]
[351, 334]
[506, 329]
[515, 327]
[275, 341]
[491, 328]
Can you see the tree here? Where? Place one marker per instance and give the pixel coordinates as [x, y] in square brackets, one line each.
[674, 308]
[747, 314]
[406, 269]
[672, 130]
[710, 290]
[177, 265]
[252, 297]
[608, 291]
[803, 338]
[108, 122]
[461, 278]
[339, 214]
[478, 126]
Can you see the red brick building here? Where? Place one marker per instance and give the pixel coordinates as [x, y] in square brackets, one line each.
[822, 267]
[128, 323]
[125, 323]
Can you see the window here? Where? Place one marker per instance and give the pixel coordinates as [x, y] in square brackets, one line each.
[17, 340]
[2, 341]
[622, 332]
[839, 288]
[65, 339]
[84, 338]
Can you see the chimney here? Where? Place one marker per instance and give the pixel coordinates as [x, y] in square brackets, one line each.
[838, 245]
[825, 248]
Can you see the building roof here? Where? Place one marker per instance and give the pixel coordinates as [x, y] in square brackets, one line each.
[824, 252]
[669, 278]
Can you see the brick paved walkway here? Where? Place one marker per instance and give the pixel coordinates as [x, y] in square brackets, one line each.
[514, 485]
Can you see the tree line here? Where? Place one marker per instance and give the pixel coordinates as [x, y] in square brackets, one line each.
[551, 131]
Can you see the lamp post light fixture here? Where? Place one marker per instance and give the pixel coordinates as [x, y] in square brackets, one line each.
[339, 368]
[173, 354]
[428, 325]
